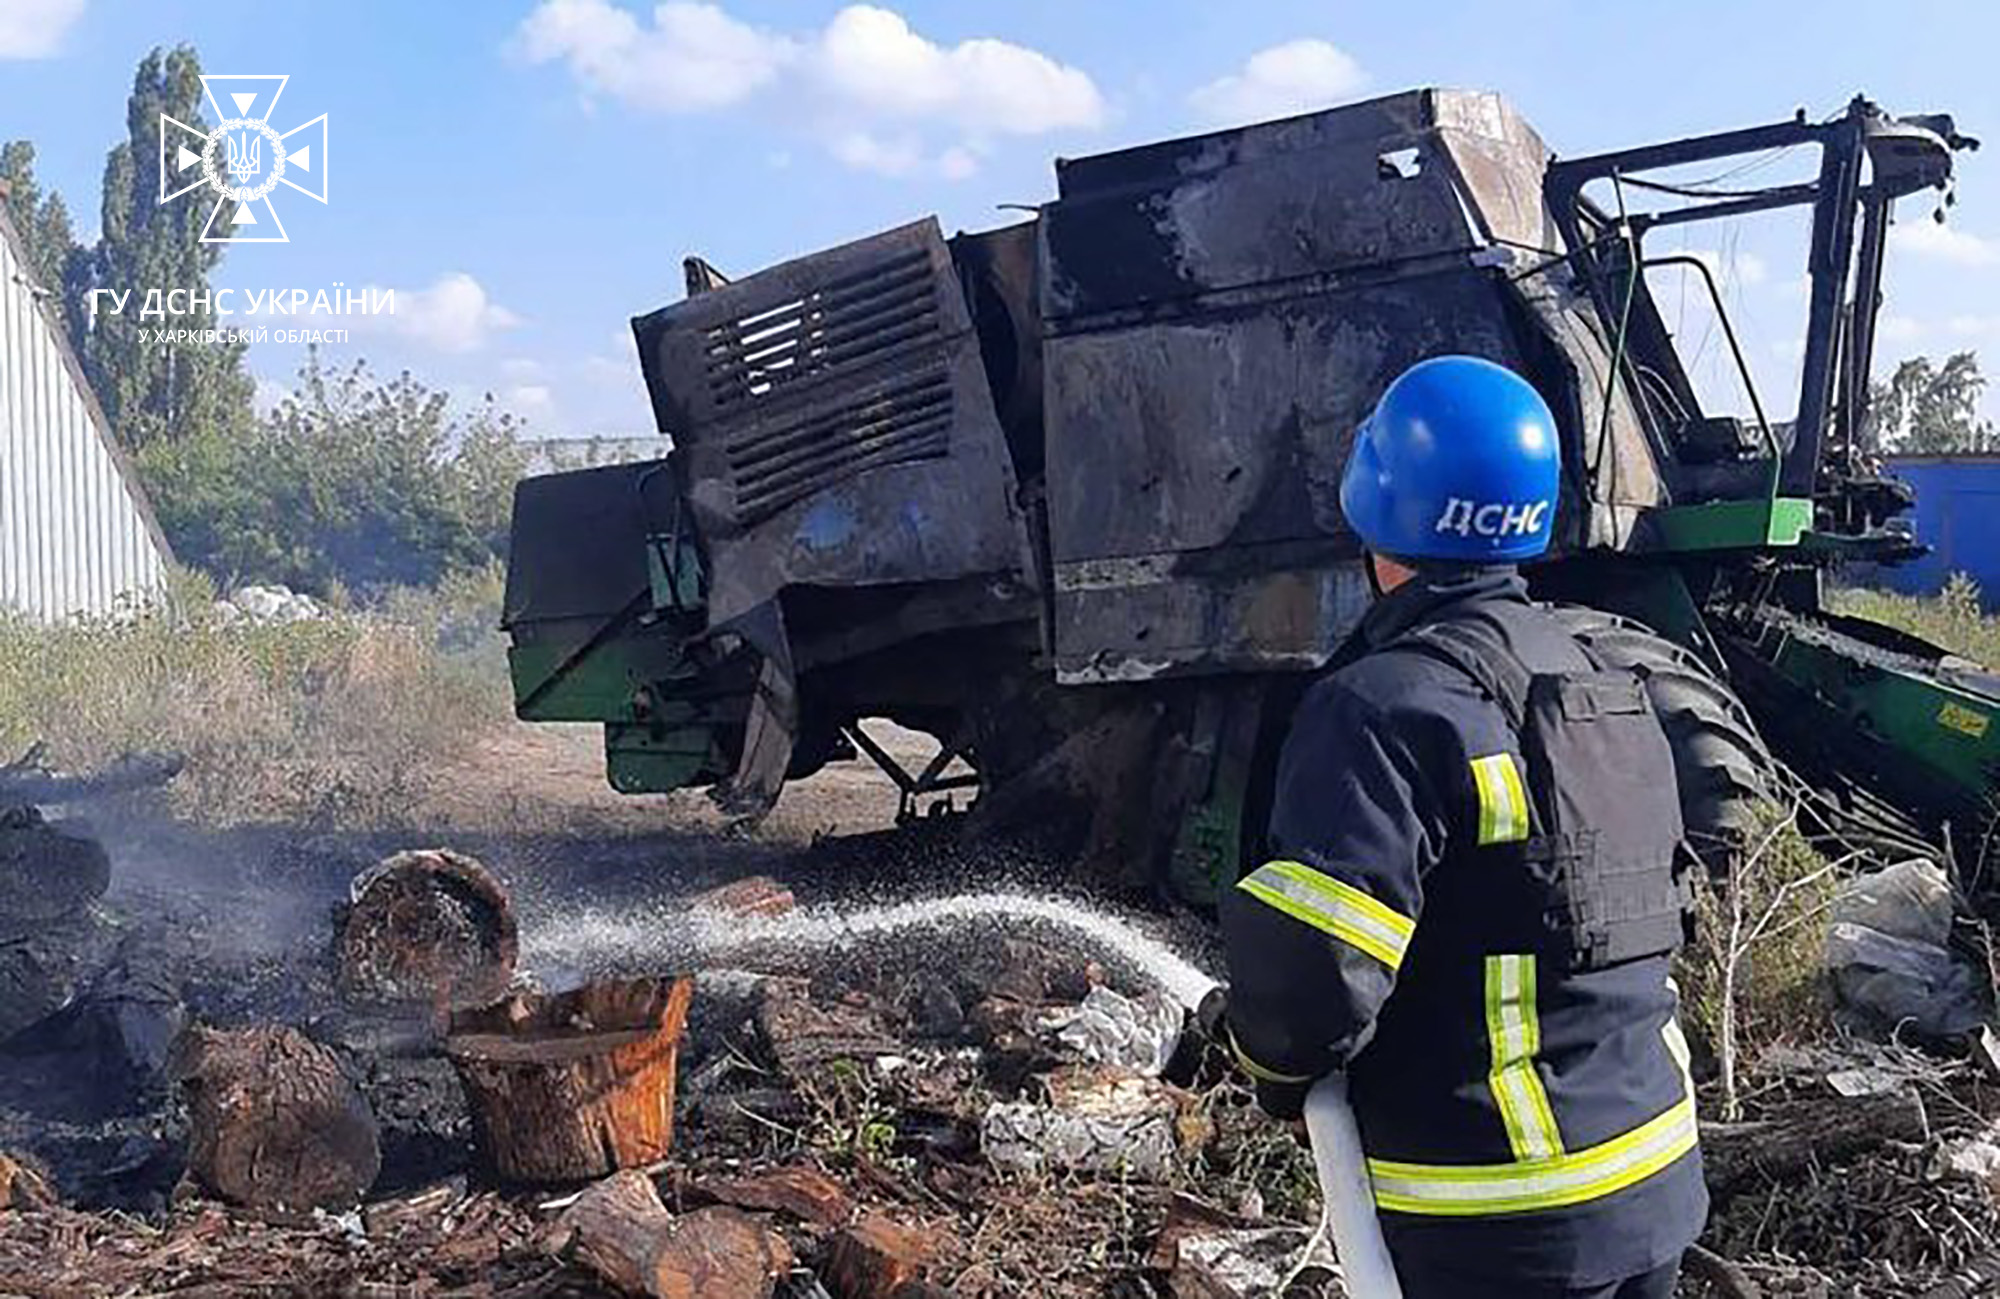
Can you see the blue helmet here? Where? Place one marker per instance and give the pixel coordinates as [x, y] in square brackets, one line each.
[1459, 461]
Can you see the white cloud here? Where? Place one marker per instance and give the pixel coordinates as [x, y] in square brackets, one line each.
[1970, 326]
[1296, 77]
[691, 58]
[33, 29]
[866, 151]
[455, 314]
[877, 94]
[1946, 243]
[1735, 269]
[957, 162]
[869, 59]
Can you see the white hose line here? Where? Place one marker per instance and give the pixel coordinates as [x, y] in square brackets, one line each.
[1346, 1192]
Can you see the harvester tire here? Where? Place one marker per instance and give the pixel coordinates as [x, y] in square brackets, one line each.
[1724, 769]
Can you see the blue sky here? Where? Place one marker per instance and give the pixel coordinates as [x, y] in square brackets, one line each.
[527, 174]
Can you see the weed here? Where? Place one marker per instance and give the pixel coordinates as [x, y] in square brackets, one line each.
[340, 721]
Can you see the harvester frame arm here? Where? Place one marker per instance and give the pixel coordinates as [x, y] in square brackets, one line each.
[1842, 142]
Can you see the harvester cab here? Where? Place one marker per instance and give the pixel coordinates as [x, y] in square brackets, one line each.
[1062, 495]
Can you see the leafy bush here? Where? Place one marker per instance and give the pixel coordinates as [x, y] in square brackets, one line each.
[342, 721]
[351, 483]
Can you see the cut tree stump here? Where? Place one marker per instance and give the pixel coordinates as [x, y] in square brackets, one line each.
[1737, 1156]
[49, 871]
[273, 1122]
[571, 1087]
[805, 1037]
[431, 928]
[620, 1231]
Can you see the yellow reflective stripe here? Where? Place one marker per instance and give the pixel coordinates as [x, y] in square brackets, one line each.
[1248, 1064]
[1677, 1046]
[1515, 1034]
[1503, 799]
[1460, 1190]
[1333, 907]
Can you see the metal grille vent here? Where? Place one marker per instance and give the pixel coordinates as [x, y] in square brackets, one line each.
[858, 320]
[847, 377]
[774, 464]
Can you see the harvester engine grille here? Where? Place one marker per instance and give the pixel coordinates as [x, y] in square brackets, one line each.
[790, 355]
[773, 465]
[833, 425]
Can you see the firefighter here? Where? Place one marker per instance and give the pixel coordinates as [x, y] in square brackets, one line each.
[1475, 884]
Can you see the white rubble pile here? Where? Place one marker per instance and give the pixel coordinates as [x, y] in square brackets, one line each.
[1109, 1028]
[1096, 1121]
[268, 604]
[1247, 1262]
[1974, 1158]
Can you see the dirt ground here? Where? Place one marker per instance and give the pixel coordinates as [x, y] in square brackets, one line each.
[240, 922]
[236, 927]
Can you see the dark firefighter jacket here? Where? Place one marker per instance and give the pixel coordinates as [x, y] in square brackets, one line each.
[1536, 1122]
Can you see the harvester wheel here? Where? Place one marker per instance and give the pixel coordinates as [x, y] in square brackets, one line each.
[1724, 769]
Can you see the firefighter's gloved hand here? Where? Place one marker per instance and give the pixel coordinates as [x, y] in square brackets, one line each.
[1283, 1101]
[1212, 1015]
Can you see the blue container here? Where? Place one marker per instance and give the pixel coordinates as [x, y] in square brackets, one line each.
[1957, 516]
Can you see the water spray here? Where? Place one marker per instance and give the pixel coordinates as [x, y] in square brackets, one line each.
[594, 937]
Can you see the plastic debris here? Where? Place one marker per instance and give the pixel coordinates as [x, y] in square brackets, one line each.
[1097, 1122]
[1109, 1028]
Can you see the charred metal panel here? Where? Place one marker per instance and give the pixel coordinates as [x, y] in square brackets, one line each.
[1221, 314]
[578, 548]
[1359, 186]
[837, 423]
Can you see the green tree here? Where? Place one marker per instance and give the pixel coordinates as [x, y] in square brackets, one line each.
[42, 221]
[1927, 408]
[352, 481]
[155, 391]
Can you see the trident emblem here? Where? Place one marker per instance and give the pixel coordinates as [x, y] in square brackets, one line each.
[243, 159]
[243, 151]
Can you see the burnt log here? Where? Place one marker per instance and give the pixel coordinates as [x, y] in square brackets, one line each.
[753, 895]
[431, 928]
[805, 1036]
[804, 1193]
[49, 870]
[42, 970]
[619, 1230]
[273, 1122]
[114, 1040]
[575, 1086]
[26, 781]
[1740, 1156]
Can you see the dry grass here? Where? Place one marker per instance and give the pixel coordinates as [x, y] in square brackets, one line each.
[1953, 619]
[339, 722]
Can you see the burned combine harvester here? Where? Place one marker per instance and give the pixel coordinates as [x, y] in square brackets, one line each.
[1062, 494]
